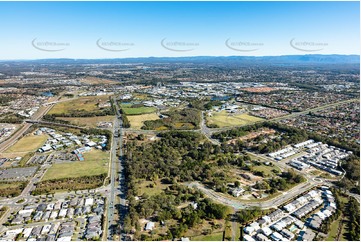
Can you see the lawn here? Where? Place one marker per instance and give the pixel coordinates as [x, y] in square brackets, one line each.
[28, 143]
[89, 104]
[137, 121]
[209, 237]
[90, 122]
[95, 163]
[138, 110]
[225, 119]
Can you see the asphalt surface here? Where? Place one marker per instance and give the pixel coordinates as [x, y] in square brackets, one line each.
[117, 197]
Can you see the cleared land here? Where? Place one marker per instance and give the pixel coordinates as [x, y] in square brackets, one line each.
[224, 119]
[28, 143]
[258, 89]
[81, 104]
[151, 188]
[95, 80]
[210, 237]
[95, 163]
[137, 121]
[90, 122]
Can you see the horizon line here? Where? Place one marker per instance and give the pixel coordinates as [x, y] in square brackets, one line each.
[173, 57]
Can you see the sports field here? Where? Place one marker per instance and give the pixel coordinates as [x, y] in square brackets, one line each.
[138, 110]
[225, 119]
[95, 163]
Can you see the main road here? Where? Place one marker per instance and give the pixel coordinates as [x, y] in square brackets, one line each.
[116, 200]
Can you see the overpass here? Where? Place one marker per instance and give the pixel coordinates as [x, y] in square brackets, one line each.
[53, 123]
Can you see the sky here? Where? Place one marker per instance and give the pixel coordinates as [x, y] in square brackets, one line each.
[36, 30]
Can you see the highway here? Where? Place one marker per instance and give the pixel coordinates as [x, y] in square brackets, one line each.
[19, 133]
[116, 204]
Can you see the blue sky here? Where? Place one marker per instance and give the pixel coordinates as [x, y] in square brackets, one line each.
[197, 28]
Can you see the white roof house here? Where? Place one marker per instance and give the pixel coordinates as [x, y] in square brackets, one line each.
[248, 230]
[54, 214]
[149, 226]
[91, 144]
[237, 191]
[289, 207]
[255, 225]
[89, 202]
[266, 218]
[27, 232]
[62, 213]
[46, 229]
[266, 231]
[14, 231]
[25, 211]
[246, 237]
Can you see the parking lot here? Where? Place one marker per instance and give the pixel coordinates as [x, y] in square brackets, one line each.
[17, 173]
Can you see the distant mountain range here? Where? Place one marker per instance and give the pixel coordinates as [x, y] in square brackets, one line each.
[284, 59]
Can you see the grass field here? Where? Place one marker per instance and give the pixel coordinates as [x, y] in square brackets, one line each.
[95, 163]
[90, 122]
[9, 185]
[266, 169]
[28, 143]
[11, 189]
[224, 119]
[332, 235]
[137, 111]
[137, 121]
[83, 103]
[140, 96]
[210, 237]
[145, 189]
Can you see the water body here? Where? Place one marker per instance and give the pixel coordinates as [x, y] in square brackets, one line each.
[47, 94]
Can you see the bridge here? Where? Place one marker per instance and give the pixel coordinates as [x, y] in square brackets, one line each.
[53, 123]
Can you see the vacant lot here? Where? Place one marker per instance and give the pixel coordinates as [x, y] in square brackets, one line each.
[89, 104]
[95, 80]
[28, 143]
[137, 121]
[188, 118]
[95, 163]
[267, 170]
[211, 237]
[11, 189]
[90, 122]
[225, 119]
[258, 89]
[151, 188]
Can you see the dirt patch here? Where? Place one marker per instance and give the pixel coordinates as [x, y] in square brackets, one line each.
[258, 89]
[253, 135]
